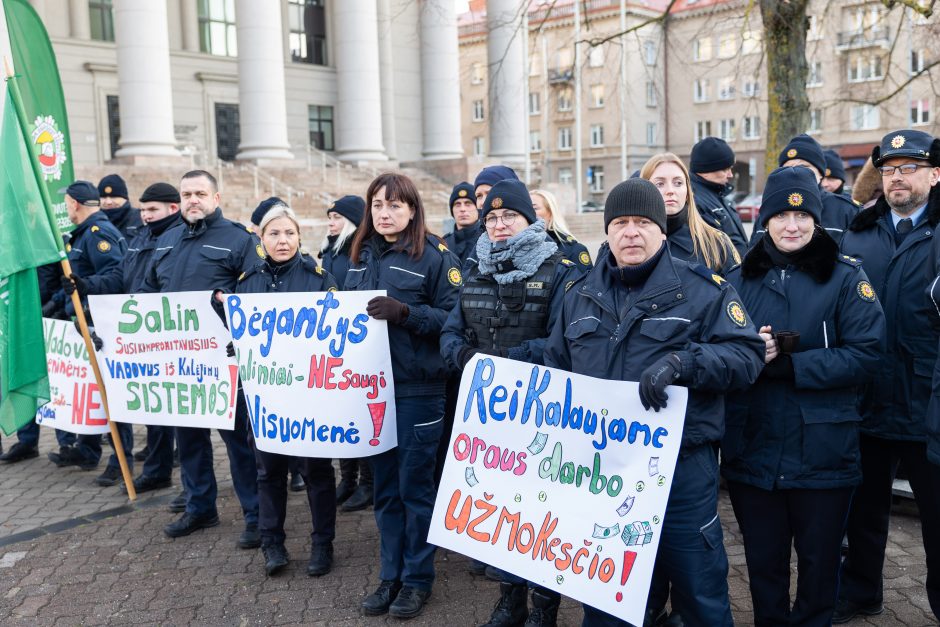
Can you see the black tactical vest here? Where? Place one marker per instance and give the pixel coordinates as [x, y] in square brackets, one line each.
[504, 316]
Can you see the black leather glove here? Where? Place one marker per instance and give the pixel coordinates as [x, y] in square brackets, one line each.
[387, 308]
[97, 341]
[74, 282]
[465, 355]
[780, 368]
[230, 349]
[654, 380]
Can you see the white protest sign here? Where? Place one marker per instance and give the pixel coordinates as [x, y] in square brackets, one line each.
[163, 361]
[316, 373]
[561, 479]
[75, 403]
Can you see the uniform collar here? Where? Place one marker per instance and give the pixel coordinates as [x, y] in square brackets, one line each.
[205, 223]
[119, 215]
[95, 219]
[915, 217]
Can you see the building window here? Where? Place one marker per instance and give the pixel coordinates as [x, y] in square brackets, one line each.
[703, 129]
[307, 37]
[726, 88]
[535, 141]
[564, 138]
[477, 74]
[114, 123]
[815, 29]
[564, 100]
[597, 135]
[650, 94]
[597, 96]
[864, 118]
[920, 112]
[702, 49]
[651, 132]
[596, 176]
[751, 87]
[726, 129]
[535, 103]
[477, 110]
[751, 127]
[917, 61]
[727, 46]
[814, 79]
[228, 130]
[217, 27]
[102, 20]
[479, 147]
[815, 121]
[649, 52]
[866, 68]
[564, 176]
[596, 56]
[700, 90]
[750, 42]
[320, 122]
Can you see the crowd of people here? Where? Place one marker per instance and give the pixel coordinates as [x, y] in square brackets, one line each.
[809, 350]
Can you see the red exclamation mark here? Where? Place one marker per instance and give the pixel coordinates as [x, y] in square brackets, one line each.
[628, 558]
[377, 411]
[233, 376]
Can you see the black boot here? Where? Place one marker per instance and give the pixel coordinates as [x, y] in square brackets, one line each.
[349, 478]
[511, 609]
[544, 609]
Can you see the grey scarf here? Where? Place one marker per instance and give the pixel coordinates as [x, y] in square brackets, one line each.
[518, 257]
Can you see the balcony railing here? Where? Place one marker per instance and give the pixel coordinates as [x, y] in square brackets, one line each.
[852, 40]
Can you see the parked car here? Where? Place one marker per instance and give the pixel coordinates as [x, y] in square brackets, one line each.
[749, 207]
[589, 206]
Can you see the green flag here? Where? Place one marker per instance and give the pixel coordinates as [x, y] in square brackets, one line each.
[43, 101]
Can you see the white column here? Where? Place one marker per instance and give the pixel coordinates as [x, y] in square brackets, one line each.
[189, 19]
[79, 20]
[505, 75]
[262, 98]
[144, 86]
[440, 80]
[387, 77]
[358, 83]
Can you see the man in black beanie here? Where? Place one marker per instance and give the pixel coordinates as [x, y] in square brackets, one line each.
[643, 315]
[116, 205]
[711, 179]
[833, 179]
[467, 229]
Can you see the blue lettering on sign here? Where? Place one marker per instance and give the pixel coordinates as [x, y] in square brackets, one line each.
[284, 428]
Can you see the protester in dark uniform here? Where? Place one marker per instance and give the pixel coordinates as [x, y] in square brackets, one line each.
[393, 251]
[96, 247]
[285, 269]
[712, 183]
[462, 240]
[894, 239]
[690, 238]
[546, 207]
[837, 211]
[208, 252]
[355, 488]
[671, 322]
[114, 202]
[833, 180]
[508, 305]
[790, 449]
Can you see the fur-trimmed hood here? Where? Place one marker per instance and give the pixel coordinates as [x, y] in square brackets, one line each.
[818, 258]
[867, 218]
[867, 184]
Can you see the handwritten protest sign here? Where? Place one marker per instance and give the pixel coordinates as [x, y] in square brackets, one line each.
[164, 362]
[559, 478]
[316, 371]
[75, 403]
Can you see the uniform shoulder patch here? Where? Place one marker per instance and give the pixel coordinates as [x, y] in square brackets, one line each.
[319, 270]
[95, 229]
[708, 273]
[442, 247]
[584, 258]
[570, 239]
[248, 228]
[736, 313]
[260, 250]
[453, 275]
[104, 246]
[567, 262]
[865, 291]
[568, 285]
[241, 276]
[852, 261]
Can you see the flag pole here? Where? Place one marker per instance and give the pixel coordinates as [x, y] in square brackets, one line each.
[67, 270]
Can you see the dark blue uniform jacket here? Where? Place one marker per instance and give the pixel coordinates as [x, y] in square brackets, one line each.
[711, 200]
[96, 248]
[299, 274]
[126, 219]
[681, 247]
[337, 263]
[463, 243]
[129, 277]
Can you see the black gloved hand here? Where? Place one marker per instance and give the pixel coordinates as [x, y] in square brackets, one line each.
[465, 355]
[97, 341]
[74, 282]
[387, 308]
[230, 349]
[780, 368]
[654, 380]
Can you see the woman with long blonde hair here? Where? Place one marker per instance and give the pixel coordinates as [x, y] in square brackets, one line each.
[690, 237]
[546, 207]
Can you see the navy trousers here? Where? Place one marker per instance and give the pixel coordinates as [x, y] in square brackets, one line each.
[159, 462]
[272, 496]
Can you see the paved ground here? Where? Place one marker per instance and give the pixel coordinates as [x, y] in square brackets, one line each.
[72, 553]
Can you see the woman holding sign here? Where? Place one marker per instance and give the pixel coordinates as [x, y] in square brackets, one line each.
[393, 251]
[790, 451]
[284, 269]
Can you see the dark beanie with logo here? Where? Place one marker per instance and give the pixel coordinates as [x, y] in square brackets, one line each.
[635, 197]
[790, 189]
[510, 194]
[711, 155]
[806, 148]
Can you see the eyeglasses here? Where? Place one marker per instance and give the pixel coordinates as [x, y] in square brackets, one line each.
[508, 218]
[905, 168]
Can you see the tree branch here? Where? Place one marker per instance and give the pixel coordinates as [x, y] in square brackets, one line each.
[926, 69]
[597, 41]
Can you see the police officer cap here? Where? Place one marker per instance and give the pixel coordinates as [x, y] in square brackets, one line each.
[83, 192]
[711, 154]
[834, 167]
[907, 143]
[790, 189]
[510, 194]
[160, 192]
[112, 185]
[491, 175]
[806, 148]
[635, 197]
[461, 190]
[264, 207]
[350, 207]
